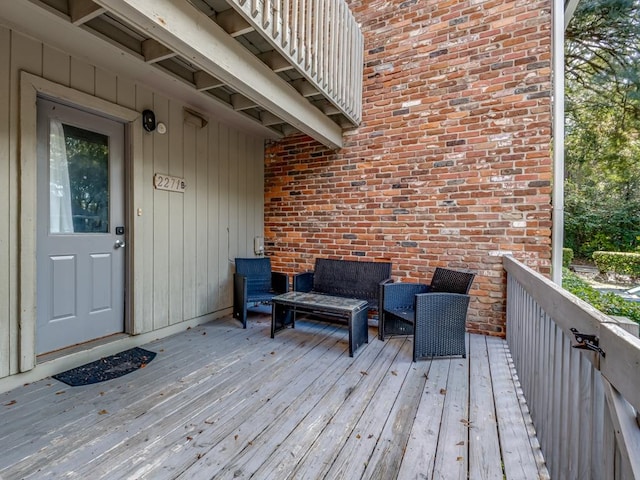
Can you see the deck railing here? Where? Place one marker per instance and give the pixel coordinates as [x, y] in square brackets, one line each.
[321, 39]
[583, 403]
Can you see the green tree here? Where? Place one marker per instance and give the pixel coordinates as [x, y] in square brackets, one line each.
[88, 164]
[602, 154]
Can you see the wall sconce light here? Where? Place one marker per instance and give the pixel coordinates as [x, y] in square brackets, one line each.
[148, 120]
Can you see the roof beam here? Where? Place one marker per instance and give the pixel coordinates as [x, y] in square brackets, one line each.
[193, 35]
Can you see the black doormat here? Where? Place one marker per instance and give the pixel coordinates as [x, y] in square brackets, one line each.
[107, 368]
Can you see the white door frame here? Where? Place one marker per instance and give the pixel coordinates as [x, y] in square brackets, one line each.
[30, 87]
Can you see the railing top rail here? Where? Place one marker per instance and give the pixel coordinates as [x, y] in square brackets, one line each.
[567, 310]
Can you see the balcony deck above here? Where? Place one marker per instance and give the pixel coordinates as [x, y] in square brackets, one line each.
[280, 66]
[222, 402]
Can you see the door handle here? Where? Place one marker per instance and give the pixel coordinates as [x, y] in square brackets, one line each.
[120, 244]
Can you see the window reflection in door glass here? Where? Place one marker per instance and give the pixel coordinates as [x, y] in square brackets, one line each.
[79, 180]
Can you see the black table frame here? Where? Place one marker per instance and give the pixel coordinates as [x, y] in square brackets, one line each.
[350, 310]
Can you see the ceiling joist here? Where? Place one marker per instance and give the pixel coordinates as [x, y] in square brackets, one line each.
[241, 102]
[305, 88]
[81, 11]
[275, 61]
[268, 119]
[204, 81]
[154, 51]
[233, 23]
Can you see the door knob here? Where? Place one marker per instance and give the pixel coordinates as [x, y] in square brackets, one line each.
[120, 244]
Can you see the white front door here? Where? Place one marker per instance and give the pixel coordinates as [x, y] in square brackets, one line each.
[80, 228]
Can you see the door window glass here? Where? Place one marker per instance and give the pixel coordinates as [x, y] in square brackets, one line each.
[78, 180]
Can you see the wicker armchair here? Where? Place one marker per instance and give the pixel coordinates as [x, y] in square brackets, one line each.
[255, 283]
[440, 325]
[436, 321]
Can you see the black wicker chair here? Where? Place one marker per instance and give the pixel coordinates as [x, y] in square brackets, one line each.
[255, 283]
[440, 325]
[434, 314]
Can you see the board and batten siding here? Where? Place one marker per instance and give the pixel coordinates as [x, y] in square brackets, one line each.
[185, 243]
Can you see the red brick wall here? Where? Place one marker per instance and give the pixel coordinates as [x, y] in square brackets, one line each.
[451, 165]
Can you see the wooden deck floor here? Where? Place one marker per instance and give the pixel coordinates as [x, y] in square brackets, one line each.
[222, 402]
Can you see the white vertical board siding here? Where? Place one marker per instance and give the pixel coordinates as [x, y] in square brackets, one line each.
[56, 65]
[7, 274]
[82, 76]
[176, 214]
[189, 265]
[256, 200]
[106, 85]
[145, 232]
[201, 182]
[234, 200]
[161, 220]
[215, 233]
[241, 195]
[181, 245]
[224, 273]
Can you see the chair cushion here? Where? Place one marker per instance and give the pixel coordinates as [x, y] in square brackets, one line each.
[260, 297]
[407, 314]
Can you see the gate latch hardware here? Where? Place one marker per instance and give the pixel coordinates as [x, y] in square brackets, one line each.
[587, 342]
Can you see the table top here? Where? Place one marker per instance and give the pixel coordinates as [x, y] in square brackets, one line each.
[317, 300]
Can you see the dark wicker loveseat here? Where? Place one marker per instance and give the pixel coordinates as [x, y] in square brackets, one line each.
[346, 278]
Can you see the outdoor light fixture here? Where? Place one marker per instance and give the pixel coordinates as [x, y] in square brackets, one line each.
[148, 120]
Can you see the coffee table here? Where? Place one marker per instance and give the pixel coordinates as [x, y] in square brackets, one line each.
[351, 311]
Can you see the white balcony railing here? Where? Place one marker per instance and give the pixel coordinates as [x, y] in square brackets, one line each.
[583, 403]
[321, 39]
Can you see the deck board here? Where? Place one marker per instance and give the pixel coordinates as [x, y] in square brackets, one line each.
[297, 426]
[386, 458]
[484, 443]
[219, 401]
[519, 459]
[451, 454]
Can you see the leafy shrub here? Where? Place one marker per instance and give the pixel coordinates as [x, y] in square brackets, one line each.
[567, 257]
[618, 262]
[608, 303]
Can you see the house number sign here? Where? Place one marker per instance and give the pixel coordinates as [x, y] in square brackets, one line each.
[167, 182]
